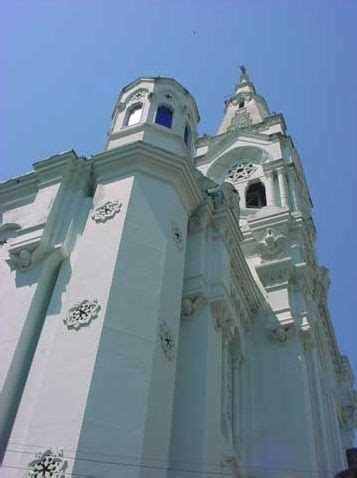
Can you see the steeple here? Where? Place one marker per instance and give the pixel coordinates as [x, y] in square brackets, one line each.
[245, 108]
[244, 85]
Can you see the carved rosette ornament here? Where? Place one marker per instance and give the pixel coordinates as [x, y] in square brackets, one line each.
[106, 211]
[240, 172]
[167, 341]
[82, 313]
[178, 236]
[47, 463]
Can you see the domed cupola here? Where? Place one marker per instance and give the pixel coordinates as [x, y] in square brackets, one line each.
[158, 111]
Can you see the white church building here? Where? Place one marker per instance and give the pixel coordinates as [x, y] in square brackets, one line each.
[163, 313]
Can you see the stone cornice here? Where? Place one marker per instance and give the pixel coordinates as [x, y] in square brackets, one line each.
[49, 171]
[227, 225]
[275, 274]
[140, 157]
[218, 145]
[270, 216]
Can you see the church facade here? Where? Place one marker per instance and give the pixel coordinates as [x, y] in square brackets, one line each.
[163, 310]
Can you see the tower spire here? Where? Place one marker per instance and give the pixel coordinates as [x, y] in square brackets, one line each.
[245, 107]
[244, 83]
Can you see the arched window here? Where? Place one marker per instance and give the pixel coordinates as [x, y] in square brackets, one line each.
[255, 195]
[187, 135]
[164, 116]
[134, 115]
[241, 104]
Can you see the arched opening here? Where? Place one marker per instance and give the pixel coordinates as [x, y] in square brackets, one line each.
[255, 196]
[187, 136]
[134, 115]
[164, 116]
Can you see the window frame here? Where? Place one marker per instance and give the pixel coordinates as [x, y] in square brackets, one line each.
[262, 200]
[131, 110]
[169, 108]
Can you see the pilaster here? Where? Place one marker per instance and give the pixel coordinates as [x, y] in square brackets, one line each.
[283, 187]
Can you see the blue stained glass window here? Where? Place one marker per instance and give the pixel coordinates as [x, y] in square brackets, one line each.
[164, 116]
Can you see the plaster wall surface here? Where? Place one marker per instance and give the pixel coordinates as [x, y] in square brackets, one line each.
[211, 351]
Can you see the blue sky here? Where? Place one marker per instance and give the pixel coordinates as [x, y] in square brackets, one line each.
[63, 63]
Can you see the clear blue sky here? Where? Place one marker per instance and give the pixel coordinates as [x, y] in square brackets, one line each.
[63, 63]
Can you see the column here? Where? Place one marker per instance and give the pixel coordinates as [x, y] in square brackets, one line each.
[283, 188]
[270, 193]
[292, 183]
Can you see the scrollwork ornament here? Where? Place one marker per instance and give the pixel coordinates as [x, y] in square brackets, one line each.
[82, 313]
[167, 340]
[106, 211]
[49, 463]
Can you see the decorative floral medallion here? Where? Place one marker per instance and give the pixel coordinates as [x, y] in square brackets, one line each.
[240, 171]
[47, 463]
[82, 313]
[108, 210]
[167, 340]
[177, 235]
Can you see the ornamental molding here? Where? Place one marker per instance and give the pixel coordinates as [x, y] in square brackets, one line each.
[307, 337]
[191, 305]
[241, 119]
[48, 463]
[167, 341]
[349, 414]
[272, 246]
[306, 331]
[223, 319]
[177, 236]
[135, 97]
[275, 274]
[236, 99]
[82, 313]
[106, 211]
[200, 219]
[226, 195]
[240, 309]
[230, 198]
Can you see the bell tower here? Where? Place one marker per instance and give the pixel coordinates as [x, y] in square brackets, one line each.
[294, 338]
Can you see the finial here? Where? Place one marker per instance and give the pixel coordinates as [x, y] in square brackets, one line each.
[243, 69]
